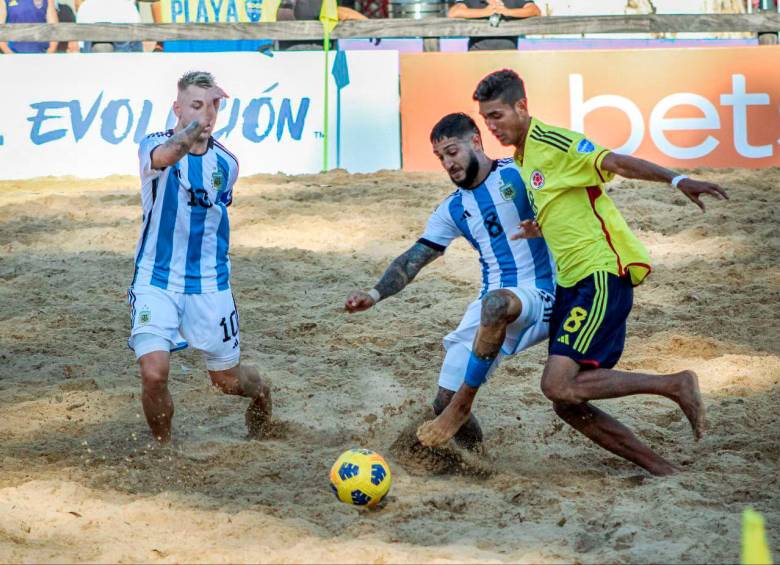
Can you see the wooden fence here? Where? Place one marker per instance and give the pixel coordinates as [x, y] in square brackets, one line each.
[397, 28]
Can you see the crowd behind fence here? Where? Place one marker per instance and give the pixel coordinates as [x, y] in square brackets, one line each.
[38, 26]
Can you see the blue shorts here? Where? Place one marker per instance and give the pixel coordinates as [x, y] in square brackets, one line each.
[589, 320]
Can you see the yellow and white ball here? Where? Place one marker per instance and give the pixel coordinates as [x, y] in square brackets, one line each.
[360, 477]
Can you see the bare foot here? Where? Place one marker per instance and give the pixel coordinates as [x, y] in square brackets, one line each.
[689, 399]
[259, 413]
[437, 432]
[664, 470]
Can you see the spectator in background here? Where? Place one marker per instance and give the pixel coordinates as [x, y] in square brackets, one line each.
[310, 10]
[65, 14]
[28, 12]
[494, 10]
[109, 12]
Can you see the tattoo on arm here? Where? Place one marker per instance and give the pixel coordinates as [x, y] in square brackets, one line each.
[179, 144]
[404, 268]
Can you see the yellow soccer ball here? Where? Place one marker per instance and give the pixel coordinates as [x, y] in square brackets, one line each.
[360, 477]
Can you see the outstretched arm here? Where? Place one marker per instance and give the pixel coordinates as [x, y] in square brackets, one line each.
[399, 274]
[634, 168]
[404, 268]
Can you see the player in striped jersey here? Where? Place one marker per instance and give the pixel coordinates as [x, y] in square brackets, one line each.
[599, 262]
[513, 309]
[180, 292]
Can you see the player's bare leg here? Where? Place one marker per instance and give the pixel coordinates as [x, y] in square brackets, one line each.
[499, 309]
[570, 389]
[582, 386]
[155, 397]
[469, 436]
[244, 380]
[609, 433]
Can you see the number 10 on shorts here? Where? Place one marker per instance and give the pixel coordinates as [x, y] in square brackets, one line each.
[229, 332]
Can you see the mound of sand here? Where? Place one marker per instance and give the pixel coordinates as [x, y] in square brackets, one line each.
[81, 481]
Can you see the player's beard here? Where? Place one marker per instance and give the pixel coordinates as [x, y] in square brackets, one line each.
[472, 170]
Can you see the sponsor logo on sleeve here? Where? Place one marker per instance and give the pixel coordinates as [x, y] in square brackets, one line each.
[585, 146]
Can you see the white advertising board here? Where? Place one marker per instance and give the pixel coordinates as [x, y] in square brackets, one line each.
[83, 114]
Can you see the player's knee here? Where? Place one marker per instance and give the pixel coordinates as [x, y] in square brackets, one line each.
[495, 309]
[251, 382]
[443, 398]
[556, 389]
[558, 379]
[154, 377]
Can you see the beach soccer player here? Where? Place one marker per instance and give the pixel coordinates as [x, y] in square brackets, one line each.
[599, 261]
[180, 293]
[515, 303]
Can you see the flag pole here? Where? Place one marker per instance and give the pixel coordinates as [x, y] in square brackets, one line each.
[338, 128]
[326, 45]
[329, 16]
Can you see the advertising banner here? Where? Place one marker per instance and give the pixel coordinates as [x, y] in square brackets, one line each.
[709, 107]
[84, 115]
[210, 11]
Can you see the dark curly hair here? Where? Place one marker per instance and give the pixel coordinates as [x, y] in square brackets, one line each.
[505, 85]
[454, 125]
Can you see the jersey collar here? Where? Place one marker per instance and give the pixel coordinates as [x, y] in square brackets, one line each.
[519, 158]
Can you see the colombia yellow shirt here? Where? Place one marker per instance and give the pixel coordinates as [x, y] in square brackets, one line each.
[582, 226]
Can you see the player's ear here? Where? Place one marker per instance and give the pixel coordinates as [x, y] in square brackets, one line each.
[476, 142]
[176, 109]
[521, 106]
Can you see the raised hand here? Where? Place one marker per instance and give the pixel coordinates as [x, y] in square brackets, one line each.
[216, 93]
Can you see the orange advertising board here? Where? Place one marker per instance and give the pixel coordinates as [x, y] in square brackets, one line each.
[707, 107]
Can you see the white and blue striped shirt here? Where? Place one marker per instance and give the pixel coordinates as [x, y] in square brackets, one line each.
[185, 233]
[486, 216]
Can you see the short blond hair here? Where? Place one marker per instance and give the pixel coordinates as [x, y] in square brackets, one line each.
[201, 79]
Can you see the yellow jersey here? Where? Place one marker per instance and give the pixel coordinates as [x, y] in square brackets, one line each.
[582, 226]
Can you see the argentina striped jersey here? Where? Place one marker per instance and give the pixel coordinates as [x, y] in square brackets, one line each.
[487, 216]
[185, 233]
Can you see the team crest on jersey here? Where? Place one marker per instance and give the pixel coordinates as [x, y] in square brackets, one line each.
[507, 191]
[144, 316]
[537, 179]
[217, 179]
[585, 146]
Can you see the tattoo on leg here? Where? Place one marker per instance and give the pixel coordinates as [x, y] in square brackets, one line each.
[498, 311]
[495, 308]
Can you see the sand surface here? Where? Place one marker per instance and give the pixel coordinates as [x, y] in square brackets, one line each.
[79, 480]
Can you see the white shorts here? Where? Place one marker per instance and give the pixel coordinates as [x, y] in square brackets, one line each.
[531, 327]
[163, 320]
